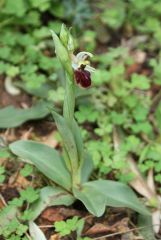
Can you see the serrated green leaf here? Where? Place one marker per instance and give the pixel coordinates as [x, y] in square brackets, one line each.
[140, 82]
[26, 171]
[29, 194]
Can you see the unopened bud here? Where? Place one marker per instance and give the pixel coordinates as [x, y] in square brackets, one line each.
[64, 35]
[62, 54]
[70, 43]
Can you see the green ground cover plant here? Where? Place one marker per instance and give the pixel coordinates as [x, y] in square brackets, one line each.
[71, 225]
[13, 219]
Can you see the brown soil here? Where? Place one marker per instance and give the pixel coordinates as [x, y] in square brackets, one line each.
[17, 101]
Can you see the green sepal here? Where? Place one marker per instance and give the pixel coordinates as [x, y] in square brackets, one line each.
[64, 35]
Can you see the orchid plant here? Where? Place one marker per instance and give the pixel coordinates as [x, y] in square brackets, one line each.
[70, 172]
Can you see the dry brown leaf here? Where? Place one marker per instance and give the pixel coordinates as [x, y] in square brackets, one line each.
[27, 134]
[53, 214]
[13, 178]
[22, 182]
[146, 72]
[2, 160]
[17, 180]
[134, 68]
[50, 140]
[150, 181]
[133, 41]
[139, 183]
[2, 202]
[119, 226]
[97, 229]
[128, 236]
[139, 56]
[10, 135]
[122, 225]
[55, 237]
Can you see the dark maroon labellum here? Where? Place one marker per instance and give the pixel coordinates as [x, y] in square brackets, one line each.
[83, 77]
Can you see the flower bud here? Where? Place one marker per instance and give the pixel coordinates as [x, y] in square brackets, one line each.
[70, 43]
[64, 35]
[62, 54]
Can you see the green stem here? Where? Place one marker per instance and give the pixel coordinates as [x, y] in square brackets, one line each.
[69, 101]
[68, 113]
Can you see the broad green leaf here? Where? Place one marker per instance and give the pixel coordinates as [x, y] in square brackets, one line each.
[78, 139]
[51, 196]
[86, 168]
[68, 139]
[92, 198]
[97, 194]
[45, 158]
[36, 232]
[13, 117]
[118, 195]
[69, 100]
